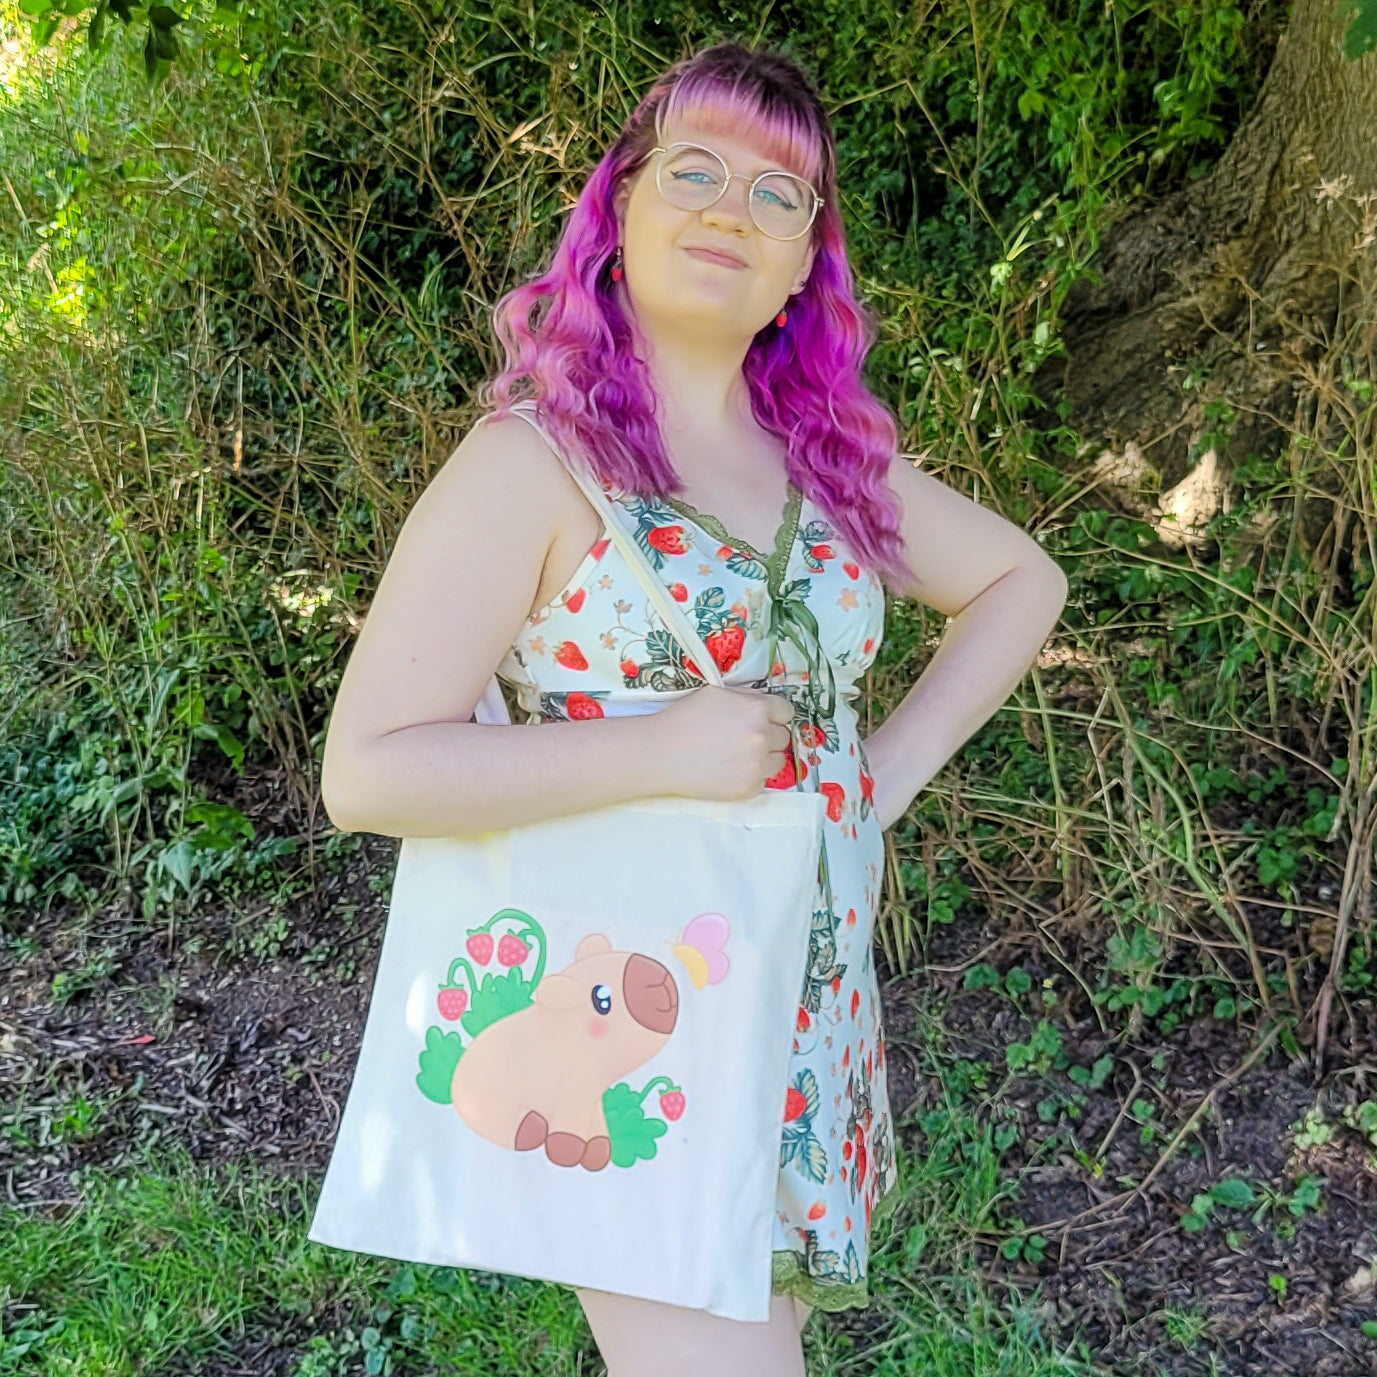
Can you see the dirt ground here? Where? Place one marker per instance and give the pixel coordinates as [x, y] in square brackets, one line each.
[253, 1057]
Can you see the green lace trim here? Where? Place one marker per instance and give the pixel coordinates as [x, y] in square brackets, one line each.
[788, 1277]
[776, 562]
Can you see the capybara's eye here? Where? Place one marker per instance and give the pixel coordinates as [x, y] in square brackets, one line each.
[602, 999]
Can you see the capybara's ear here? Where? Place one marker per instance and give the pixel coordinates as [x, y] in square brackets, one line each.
[595, 944]
[557, 991]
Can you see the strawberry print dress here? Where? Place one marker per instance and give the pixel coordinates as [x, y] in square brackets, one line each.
[802, 620]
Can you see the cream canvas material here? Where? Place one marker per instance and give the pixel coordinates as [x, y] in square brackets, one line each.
[575, 1059]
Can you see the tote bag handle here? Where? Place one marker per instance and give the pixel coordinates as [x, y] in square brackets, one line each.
[491, 707]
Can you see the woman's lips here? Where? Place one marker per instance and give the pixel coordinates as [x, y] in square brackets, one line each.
[721, 259]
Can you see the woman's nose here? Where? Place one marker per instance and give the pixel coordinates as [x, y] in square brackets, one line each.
[733, 205]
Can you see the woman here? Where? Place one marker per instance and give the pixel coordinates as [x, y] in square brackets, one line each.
[697, 338]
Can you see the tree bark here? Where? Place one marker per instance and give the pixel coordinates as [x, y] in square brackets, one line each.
[1198, 292]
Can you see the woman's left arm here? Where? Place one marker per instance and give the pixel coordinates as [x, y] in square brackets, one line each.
[1003, 595]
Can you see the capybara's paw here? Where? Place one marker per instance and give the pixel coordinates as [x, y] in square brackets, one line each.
[598, 1153]
[532, 1132]
[564, 1149]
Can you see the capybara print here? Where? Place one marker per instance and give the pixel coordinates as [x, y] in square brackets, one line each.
[546, 1053]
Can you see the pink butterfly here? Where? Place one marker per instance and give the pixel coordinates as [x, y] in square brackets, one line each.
[703, 949]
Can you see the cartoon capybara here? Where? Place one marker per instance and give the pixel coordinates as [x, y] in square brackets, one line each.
[536, 1078]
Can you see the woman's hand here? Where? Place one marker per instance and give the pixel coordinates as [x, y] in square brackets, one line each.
[723, 742]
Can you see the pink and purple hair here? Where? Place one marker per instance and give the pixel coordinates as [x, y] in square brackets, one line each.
[570, 340]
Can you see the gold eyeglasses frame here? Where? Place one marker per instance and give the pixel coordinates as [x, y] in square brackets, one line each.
[729, 177]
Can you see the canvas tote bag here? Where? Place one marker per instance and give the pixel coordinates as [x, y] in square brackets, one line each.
[576, 1054]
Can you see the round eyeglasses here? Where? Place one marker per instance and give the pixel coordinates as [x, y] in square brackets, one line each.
[691, 177]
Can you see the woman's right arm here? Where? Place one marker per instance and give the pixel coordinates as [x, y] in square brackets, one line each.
[402, 757]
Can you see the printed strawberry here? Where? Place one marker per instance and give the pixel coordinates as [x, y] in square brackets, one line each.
[847, 1150]
[480, 947]
[811, 734]
[851, 917]
[630, 668]
[692, 668]
[672, 1104]
[822, 552]
[802, 1023]
[511, 951]
[678, 592]
[668, 539]
[570, 656]
[600, 549]
[783, 778]
[816, 1210]
[794, 1105]
[867, 787]
[860, 1160]
[855, 1002]
[853, 571]
[846, 1058]
[836, 983]
[575, 599]
[725, 552]
[868, 646]
[725, 644]
[452, 1001]
[580, 707]
[836, 796]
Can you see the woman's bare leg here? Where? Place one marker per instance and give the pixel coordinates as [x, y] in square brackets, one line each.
[640, 1338]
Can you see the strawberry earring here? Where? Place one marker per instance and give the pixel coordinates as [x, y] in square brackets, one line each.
[782, 319]
[617, 265]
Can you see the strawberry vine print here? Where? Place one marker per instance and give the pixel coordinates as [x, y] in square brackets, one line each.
[824, 970]
[825, 1265]
[476, 1004]
[722, 631]
[659, 531]
[576, 705]
[858, 1123]
[800, 1145]
[814, 537]
[662, 665]
[633, 1134]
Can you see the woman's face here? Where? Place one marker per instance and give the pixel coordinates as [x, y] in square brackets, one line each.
[686, 292]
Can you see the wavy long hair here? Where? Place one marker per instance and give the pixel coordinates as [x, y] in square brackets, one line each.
[571, 341]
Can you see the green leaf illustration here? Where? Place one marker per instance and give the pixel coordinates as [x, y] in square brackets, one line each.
[633, 1135]
[495, 998]
[438, 1061]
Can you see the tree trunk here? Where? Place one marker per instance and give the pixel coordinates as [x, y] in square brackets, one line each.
[1201, 294]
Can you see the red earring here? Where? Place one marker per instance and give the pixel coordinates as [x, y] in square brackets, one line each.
[781, 319]
[617, 266]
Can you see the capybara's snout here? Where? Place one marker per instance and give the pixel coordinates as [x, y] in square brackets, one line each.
[652, 997]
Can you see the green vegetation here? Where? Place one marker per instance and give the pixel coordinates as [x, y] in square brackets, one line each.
[243, 313]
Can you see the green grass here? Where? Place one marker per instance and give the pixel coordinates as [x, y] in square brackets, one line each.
[155, 1270]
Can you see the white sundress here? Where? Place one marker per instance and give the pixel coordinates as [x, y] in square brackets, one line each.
[599, 648]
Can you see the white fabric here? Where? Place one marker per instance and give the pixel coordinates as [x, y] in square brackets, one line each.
[691, 1225]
